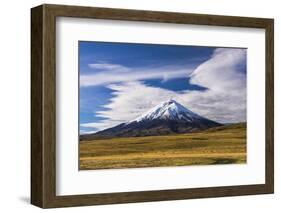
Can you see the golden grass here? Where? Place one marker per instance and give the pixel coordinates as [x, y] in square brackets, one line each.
[221, 145]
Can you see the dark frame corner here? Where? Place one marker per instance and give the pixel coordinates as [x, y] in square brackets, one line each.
[43, 105]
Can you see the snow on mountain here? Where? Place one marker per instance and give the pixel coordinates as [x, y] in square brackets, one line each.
[169, 110]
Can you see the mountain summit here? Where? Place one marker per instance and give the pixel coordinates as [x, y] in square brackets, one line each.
[169, 110]
[166, 118]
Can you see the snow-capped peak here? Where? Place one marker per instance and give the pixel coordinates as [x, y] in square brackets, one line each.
[169, 110]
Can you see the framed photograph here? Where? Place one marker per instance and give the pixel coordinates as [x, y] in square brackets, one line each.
[137, 106]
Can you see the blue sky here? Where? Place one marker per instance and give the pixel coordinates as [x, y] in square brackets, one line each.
[119, 81]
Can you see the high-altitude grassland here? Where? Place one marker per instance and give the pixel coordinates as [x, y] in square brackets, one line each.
[218, 145]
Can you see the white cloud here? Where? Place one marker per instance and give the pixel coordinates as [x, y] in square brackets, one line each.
[107, 66]
[114, 73]
[223, 101]
[220, 72]
[100, 125]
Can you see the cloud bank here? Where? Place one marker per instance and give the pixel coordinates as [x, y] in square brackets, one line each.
[224, 100]
[115, 73]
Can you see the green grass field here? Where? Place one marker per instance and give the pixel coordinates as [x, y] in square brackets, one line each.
[220, 145]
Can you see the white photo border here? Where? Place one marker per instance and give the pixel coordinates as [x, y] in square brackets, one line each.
[71, 181]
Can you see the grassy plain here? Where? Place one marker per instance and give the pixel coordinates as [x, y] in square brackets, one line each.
[220, 145]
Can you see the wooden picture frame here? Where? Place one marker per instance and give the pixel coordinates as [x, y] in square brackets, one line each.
[43, 105]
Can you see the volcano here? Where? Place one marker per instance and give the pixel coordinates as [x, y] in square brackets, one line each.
[166, 118]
